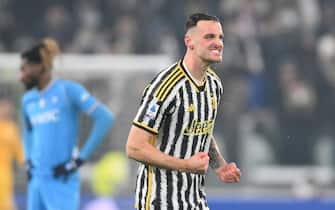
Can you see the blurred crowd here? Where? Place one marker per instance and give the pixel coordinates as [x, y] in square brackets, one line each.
[278, 69]
[279, 64]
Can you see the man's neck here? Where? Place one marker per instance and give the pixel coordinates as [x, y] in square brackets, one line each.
[196, 67]
[44, 82]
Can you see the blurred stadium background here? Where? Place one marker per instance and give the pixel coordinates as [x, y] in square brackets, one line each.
[277, 118]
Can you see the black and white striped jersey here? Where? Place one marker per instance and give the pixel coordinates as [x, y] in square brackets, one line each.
[181, 115]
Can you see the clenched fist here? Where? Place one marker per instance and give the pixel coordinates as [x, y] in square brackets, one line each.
[198, 163]
[229, 173]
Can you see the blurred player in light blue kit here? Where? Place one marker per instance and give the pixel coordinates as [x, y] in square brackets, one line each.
[51, 109]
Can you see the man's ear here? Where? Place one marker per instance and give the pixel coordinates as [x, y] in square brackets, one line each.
[188, 42]
[42, 68]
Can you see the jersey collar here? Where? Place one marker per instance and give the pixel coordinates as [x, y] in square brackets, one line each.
[191, 78]
[48, 87]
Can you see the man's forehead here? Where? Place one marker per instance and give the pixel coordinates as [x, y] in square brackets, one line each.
[207, 26]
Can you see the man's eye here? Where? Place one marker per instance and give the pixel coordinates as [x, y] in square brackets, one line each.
[209, 36]
[222, 38]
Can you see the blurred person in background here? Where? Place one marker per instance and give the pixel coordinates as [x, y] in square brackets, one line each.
[297, 116]
[172, 133]
[51, 109]
[10, 150]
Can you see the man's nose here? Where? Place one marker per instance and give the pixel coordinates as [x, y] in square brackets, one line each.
[220, 42]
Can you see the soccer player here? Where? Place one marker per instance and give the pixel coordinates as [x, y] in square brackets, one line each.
[172, 133]
[51, 109]
[10, 150]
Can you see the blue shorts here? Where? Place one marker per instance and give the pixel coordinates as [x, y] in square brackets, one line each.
[48, 193]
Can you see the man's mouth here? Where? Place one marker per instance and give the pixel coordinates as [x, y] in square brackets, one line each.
[216, 51]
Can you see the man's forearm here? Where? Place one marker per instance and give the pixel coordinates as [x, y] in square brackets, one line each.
[102, 121]
[148, 154]
[140, 147]
[215, 158]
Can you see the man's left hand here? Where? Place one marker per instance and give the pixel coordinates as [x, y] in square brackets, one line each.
[66, 169]
[228, 173]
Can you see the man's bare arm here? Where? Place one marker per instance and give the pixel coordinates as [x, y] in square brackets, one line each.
[139, 148]
[216, 160]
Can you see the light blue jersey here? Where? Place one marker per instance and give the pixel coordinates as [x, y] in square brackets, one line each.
[51, 125]
[50, 132]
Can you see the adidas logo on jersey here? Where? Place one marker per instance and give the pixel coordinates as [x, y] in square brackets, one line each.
[191, 108]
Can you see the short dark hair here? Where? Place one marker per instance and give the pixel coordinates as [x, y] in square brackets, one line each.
[193, 19]
[42, 53]
[33, 55]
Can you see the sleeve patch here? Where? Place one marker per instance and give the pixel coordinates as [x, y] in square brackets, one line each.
[153, 109]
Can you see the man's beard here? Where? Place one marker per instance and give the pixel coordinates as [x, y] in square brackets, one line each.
[32, 83]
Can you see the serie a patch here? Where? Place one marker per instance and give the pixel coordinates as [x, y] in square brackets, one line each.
[153, 109]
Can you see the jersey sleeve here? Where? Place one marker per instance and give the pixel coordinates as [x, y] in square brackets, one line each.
[151, 112]
[102, 121]
[220, 91]
[101, 115]
[81, 98]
